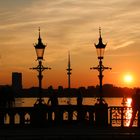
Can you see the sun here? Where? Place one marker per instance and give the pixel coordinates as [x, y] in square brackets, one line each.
[128, 78]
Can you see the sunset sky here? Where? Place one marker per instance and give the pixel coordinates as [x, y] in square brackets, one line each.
[70, 25]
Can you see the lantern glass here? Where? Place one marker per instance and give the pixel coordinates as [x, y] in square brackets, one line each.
[100, 52]
[39, 53]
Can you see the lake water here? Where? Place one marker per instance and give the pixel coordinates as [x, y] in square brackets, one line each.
[29, 102]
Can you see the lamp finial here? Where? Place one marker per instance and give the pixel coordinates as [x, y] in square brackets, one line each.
[39, 31]
[100, 31]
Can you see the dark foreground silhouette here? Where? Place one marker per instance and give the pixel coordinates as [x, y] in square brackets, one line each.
[135, 105]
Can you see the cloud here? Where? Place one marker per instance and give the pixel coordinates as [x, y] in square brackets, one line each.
[73, 23]
[21, 24]
[124, 44]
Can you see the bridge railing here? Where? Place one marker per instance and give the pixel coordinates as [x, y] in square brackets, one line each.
[121, 116]
[65, 114]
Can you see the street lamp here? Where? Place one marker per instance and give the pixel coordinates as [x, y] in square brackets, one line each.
[40, 48]
[100, 47]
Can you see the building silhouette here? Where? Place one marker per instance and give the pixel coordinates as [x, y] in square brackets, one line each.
[16, 81]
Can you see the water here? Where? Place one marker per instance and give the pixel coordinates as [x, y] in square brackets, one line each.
[29, 102]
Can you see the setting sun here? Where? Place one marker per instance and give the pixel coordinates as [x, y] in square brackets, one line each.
[128, 78]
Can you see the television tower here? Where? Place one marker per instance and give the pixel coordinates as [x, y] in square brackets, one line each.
[69, 74]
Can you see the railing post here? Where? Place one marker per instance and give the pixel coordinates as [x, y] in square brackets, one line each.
[122, 123]
[91, 117]
[138, 119]
[70, 115]
[22, 118]
[12, 118]
[2, 119]
[101, 114]
[111, 116]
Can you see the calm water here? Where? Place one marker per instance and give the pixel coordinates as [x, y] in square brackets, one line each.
[29, 102]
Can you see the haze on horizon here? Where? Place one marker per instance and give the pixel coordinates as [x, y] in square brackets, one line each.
[70, 25]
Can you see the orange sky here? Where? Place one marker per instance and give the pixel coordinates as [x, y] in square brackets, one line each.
[70, 25]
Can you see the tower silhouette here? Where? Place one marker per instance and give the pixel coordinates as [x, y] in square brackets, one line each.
[17, 80]
[69, 76]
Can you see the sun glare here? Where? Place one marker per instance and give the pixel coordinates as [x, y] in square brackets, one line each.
[128, 78]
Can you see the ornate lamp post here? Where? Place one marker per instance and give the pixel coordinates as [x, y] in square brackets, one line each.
[40, 48]
[100, 47]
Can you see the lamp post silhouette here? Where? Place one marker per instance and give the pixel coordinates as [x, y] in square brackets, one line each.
[40, 48]
[100, 47]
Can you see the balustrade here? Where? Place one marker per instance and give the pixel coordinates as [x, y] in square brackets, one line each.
[63, 114]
